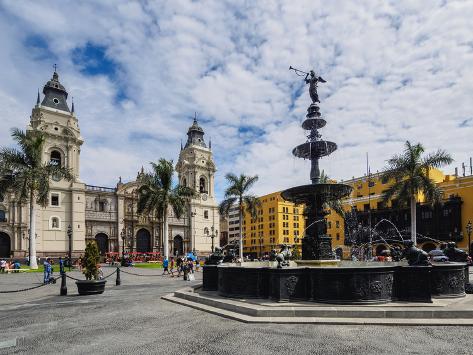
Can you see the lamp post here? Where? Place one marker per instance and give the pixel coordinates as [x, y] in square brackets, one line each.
[213, 236]
[69, 235]
[468, 231]
[123, 236]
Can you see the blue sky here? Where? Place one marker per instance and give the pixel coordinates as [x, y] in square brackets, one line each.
[395, 71]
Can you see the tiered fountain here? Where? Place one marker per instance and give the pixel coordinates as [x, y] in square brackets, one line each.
[316, 244]
[318, 277]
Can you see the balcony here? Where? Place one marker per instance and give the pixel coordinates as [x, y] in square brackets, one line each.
[100, 188]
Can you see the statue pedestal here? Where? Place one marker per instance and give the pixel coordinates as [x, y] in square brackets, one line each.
[317, 248]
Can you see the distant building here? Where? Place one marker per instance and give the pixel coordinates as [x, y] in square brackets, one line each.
[278, 222]
[435, 224]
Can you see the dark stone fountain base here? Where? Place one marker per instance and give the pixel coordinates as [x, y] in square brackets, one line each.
[345, 284]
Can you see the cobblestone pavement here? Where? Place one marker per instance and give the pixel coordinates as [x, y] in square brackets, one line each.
[132, 319]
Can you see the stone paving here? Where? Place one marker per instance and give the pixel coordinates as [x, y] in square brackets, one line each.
[133, 319]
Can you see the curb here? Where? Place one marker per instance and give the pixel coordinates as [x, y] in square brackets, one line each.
[331, 315]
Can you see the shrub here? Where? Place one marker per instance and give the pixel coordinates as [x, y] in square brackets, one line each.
[89, 263]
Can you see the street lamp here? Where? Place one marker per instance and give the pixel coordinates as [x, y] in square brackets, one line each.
[468, 231]
[123, 236]
[213, 235]
[69, 235]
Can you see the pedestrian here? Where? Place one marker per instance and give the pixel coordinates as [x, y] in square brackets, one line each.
[79, 262]
[172, 267]
[185, 269]
[61, 265]
[99, 272]
[46, 271]
[190, 265]
[16, 266]
[3, 265]
[179, 266]
[165, 266]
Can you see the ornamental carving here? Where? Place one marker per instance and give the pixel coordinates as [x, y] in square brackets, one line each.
[291, 284]
[376, 287]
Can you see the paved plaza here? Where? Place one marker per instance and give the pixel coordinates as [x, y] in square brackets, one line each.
[133, 319]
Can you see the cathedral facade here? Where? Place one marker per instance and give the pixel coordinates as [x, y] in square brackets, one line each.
[78, 212]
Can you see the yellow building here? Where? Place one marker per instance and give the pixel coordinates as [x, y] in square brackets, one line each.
[442, 224]
[277, 222]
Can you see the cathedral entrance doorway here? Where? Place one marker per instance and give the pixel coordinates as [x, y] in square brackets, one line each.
[4, 245]
[178, 245]
[143, 241]
[102, 243]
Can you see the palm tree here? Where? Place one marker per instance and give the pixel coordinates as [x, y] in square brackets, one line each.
[410, 174]
[23, 173]
[335, 205]
[156, 195]
[237, 194]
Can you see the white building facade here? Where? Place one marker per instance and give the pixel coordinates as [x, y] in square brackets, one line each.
[105, 214]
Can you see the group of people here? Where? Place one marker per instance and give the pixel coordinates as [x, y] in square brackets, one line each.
[8, 265]
[181, 265]
[48, 269]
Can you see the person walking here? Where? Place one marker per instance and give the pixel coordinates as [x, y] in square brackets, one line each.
[179, 266]
[3, 265]
[79, 262]
[61, 265]
[165, 266]
[171, 269]
[46, 271]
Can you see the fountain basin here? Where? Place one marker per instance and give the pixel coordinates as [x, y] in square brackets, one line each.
[306, 193]
[317, 262]
[352, 285]
[342, 283]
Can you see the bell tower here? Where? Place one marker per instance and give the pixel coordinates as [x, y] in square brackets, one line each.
[196, 169]
[60, 127]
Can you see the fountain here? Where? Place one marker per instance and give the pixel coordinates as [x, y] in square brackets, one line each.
[316, 244]
[318, 277]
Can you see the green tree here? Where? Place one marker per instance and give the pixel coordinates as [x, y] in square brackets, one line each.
[236, 194]
[335, 205]
[409, 173]
[23, 173]
[90, 261]
[157, 194]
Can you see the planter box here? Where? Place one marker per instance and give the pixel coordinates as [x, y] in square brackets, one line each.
[90, 287]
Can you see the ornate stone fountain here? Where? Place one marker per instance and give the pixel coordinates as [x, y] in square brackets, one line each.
[318, 277]
[316, 244]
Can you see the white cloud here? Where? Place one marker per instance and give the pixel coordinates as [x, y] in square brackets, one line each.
[395, 71]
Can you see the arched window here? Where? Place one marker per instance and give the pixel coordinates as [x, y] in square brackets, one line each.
[206, 231]
[2, 216]
[55, 158]
[202, 185]
[184, 182]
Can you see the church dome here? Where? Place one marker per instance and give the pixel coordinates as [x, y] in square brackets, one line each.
[55, 94]
[195, 135]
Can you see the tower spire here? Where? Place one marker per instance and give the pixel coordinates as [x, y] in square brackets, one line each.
[181, 145]
[37, 99]
[210, 142]
[72, 107]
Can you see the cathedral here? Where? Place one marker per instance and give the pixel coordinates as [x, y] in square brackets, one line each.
[78, 212]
